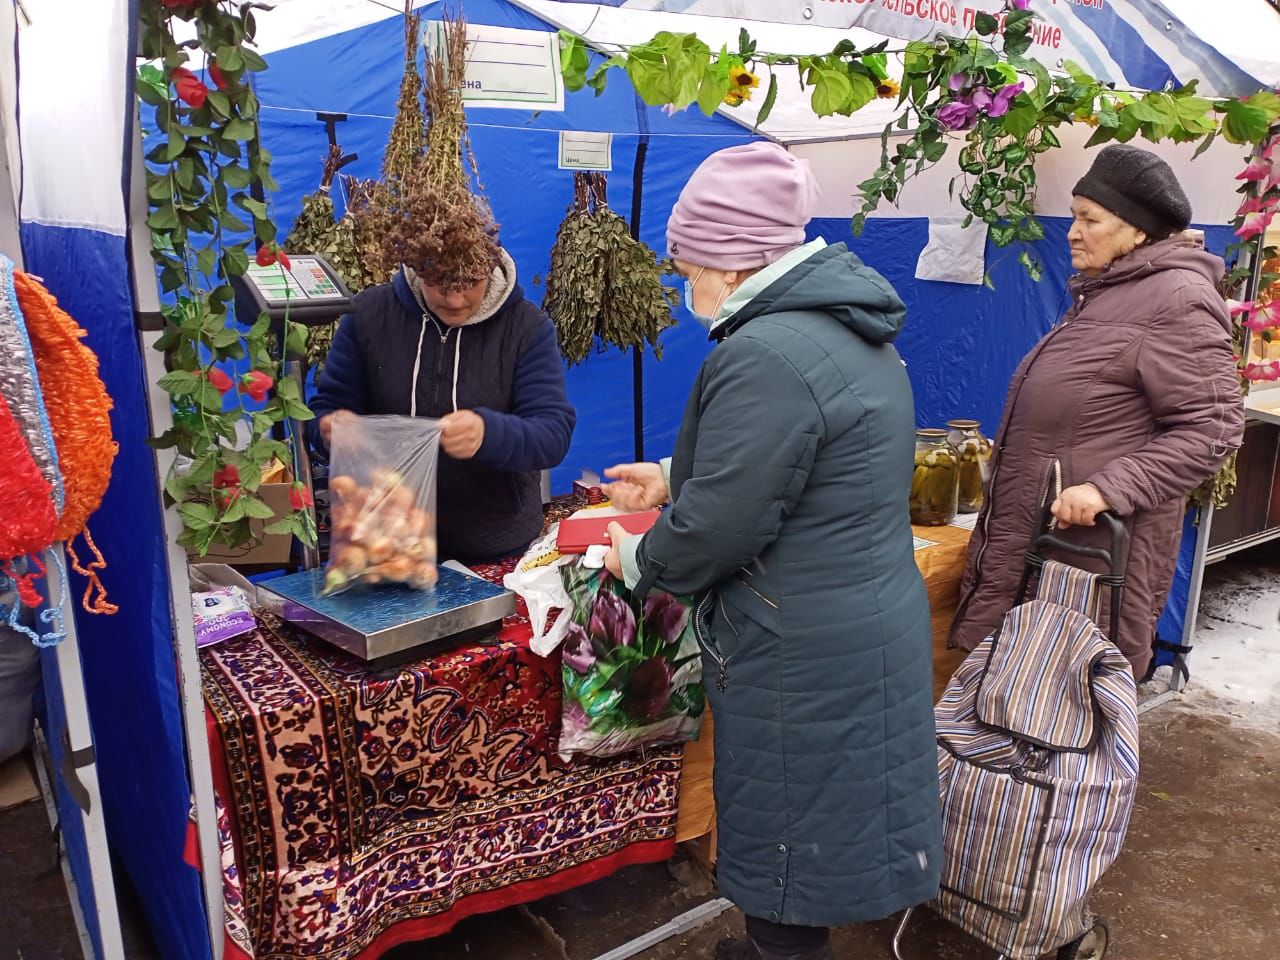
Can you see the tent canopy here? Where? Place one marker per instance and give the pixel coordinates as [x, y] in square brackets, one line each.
[74, 63]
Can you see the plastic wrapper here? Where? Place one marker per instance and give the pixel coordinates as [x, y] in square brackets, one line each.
[632, 672]
[382, 491]
[220, 614]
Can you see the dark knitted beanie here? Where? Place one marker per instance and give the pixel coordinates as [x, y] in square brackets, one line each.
[1139, 188]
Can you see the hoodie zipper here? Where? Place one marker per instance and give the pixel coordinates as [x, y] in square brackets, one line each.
[440, 353]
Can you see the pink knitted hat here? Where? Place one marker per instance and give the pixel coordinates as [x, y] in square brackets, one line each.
[743, 208]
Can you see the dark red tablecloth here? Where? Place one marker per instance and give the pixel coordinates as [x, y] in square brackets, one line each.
[359, 809]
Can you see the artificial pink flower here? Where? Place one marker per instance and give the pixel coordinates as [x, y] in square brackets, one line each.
[957, 115]
[1263, 371]
[958, 82]
[1256, 215]
[1259, 168]
[1266, 317]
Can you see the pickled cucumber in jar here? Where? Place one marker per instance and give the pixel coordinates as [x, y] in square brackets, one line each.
[935, 483]
[974, 451]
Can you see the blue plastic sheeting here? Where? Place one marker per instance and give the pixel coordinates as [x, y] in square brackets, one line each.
[1173, 619]
[129, 671]
[517, 156]
[52, 711]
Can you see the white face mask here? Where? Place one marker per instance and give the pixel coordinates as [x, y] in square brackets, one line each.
[707, 321]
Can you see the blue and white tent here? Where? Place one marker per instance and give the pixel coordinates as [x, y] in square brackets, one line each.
[71, 146]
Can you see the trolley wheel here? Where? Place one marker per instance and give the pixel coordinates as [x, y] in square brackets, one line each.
[1091, 946]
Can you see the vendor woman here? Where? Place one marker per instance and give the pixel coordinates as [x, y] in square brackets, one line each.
[455, 339]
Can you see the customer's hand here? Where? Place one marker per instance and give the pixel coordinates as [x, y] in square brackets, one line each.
[1078, 506]
[461, 434]
[637, 486]
[613, 559]
[327, 422]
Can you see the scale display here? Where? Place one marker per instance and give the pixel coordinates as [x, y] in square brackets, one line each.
[308, 291]
[306, 280]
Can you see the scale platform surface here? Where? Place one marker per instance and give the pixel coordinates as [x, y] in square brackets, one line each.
[381, 622]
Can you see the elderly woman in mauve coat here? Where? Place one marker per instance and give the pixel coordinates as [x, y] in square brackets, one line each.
[1126, 405]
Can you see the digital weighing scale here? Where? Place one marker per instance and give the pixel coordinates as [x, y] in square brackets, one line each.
[309, 292]
[384, 623]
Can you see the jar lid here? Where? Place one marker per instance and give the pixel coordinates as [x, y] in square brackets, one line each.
[931, 434]
[964, 424]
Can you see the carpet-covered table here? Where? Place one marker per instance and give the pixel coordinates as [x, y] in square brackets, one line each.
[361, 809]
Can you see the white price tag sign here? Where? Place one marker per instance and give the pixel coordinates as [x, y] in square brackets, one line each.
[507, 68]
[586, 151]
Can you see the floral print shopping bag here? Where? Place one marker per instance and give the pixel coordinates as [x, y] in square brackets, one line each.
[632, 672]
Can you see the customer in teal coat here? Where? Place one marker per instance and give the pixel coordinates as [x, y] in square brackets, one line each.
[788, 520]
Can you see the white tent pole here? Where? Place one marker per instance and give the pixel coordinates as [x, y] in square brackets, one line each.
[199, 764]
[81, 764]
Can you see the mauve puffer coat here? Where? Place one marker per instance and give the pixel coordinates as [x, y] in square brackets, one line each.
[1136, 392]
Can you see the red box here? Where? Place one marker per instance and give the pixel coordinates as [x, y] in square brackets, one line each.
[577, 534]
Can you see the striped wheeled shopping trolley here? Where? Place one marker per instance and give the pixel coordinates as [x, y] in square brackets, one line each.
[1038, 764]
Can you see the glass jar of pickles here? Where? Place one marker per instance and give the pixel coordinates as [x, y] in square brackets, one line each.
[935, 485]
[975, 459]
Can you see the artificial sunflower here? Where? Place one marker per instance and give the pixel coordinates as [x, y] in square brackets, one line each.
[886, 89]
[741, 82]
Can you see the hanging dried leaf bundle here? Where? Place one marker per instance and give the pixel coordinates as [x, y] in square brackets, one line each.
[603, 282]
[317, 231]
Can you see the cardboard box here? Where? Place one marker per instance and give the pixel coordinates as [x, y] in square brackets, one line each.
[274, 549]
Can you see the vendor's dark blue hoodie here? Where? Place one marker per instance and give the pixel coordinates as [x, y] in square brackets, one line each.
[393, 357]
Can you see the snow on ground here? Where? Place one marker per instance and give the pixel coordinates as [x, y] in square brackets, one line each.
[1236, 660]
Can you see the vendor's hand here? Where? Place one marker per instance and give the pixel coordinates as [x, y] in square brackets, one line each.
[1077, 506]
[613, 559]
[327, 422]
[461, 434]
[637, 486]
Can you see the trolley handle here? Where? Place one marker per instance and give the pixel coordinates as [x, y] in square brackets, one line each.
[1116, 557]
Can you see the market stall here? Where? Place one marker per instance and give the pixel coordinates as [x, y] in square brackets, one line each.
[444, 773]
[171, 724]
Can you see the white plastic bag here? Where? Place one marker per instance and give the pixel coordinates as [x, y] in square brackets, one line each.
[538, 583]
[382, 487]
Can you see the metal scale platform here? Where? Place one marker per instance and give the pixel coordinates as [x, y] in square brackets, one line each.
[386, 624]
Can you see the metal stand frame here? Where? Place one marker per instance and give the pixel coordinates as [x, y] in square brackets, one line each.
[199, 763]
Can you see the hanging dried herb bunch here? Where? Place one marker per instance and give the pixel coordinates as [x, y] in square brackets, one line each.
[444, 233]
[603, 282]
[409, 132]
[450, 160]
[424, 214]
